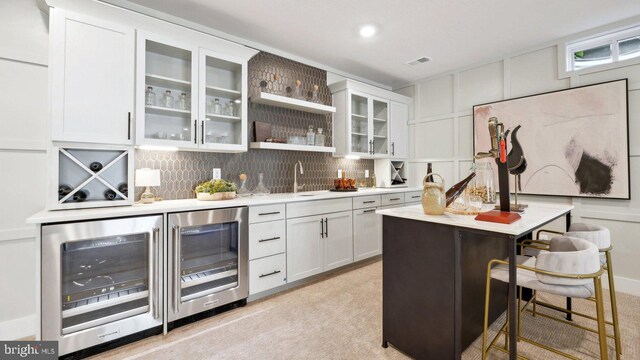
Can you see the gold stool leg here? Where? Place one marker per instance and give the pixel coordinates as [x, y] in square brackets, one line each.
[614, 306]
[486, 313]
[534, 300]
[602, 335]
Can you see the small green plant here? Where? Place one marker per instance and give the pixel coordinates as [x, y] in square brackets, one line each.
[215, 186]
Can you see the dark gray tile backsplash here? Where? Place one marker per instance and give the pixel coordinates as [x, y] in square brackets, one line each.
[182, 171]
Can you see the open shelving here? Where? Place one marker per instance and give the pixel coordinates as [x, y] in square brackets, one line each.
[292, 147]
[291, 103]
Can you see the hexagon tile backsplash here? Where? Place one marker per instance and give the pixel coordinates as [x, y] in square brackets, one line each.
[181, 172]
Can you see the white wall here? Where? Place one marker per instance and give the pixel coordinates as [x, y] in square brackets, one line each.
[442, 133]
[23, 120]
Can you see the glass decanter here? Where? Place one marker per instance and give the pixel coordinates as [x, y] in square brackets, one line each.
[167, 99]
[242, 190]
[261, 189]
[150, 97]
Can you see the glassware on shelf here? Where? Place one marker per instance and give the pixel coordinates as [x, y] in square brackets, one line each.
[319, 138]
[150, 97]
[229, 110]
[311, 136]
[242, 190]
[183, 102]
[167, 99]
[216, 108]
[314, 95]
[297, 90]
[261, 189]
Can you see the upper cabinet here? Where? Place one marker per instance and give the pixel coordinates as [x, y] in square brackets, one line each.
[369, 122]
[190, 97]
[92, 79]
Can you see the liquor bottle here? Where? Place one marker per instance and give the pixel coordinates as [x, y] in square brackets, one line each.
[320, 138]
[81, 195]
[123, 188]
[110, 194]
[429, 171]
[458, 188]
[95, 166]
[311, 136]
[64, 190]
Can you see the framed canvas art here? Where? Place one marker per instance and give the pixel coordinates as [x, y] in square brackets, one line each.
[575, 141]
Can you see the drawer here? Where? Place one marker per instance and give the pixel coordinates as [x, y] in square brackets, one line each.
[264, 213]
[267, 273]
[392, 199]
[361, 202]
[267, 238]
[307, 208]
[413, 197]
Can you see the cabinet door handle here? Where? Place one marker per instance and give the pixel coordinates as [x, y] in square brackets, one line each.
[393, 149]
[269, 213]
[322, 228]
[371, 146]
[269, 239]
[202, 133]
[195, 131]
[368, 211]
[326, 227]
[129, 126]
[271, 273]
[394, 199]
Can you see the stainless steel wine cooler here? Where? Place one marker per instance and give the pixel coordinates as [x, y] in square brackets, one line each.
[101, 280]
[207, 260]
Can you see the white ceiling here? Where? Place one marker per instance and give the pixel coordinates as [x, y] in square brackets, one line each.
[454, 33]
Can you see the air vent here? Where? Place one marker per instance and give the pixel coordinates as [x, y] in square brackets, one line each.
[421, 60]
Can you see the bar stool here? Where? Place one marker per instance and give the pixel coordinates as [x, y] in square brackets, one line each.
[570, 268]
[601, 237]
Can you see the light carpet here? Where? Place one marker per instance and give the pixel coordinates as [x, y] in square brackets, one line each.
[340, 317]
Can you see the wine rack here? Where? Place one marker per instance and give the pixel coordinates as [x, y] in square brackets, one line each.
[391, 173]
[84, 177]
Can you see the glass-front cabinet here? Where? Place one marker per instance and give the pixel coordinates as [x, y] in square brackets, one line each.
[190, 97]
[368, 122]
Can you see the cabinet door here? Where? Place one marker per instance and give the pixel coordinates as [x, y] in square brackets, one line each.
[359, 110]
[165, 71]
[338, 240]
[379, 127]
[398, 130]
[222, 102]
[367, 234]
[92, 80]
[304, 247]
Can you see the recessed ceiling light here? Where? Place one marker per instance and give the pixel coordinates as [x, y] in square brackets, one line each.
[367, 31]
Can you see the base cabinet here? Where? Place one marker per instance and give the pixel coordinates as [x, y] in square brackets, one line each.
[267, 273]
[367, 234]
[318, 243]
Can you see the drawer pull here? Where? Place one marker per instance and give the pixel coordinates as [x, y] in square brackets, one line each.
[368, 211]
[269, 213]
[415, 197]
[394, 199]
[369, 202]
[271, 273]
[269, 239]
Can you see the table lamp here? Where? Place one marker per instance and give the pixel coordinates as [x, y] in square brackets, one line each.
[147, 177]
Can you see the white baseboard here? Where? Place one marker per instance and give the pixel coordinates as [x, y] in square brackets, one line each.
[18, 328]
[624, 285]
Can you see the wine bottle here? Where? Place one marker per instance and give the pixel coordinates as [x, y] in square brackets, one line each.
[110, 194]
[81, 195]
[95, 166]
[429, 171]
[458, 188]
[64, 190]
[124, 188]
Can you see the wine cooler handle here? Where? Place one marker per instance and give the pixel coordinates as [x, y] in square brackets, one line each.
[156, 272]
[176, 268]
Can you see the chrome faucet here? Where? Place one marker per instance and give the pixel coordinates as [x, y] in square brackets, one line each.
[295, 177]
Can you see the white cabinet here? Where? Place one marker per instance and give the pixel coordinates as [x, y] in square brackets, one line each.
[318, 243]
[363, 124]
[190, 97]
[399, 130]
[267, 273]
[367, 233]
[267, 247]
[92, 79]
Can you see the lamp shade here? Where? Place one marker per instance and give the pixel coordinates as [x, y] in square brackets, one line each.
[147, 177]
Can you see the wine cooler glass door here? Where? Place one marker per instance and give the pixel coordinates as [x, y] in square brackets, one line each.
[208, 260]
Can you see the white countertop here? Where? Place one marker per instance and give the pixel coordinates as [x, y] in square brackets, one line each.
[167, 206]
[534, 216]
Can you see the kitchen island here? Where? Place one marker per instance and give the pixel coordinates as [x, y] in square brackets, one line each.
[434, 269]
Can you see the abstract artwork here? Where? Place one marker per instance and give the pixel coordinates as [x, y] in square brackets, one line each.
[576, 140]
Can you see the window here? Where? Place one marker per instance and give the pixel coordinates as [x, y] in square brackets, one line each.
[597, 51]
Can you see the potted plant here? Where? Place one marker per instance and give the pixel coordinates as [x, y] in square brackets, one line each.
[216, 190]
